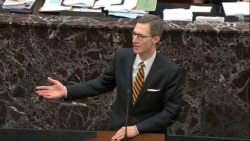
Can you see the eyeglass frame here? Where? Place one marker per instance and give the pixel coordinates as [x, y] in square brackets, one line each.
[140, 37]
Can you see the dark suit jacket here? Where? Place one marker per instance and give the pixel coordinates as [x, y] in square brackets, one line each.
[154, 110]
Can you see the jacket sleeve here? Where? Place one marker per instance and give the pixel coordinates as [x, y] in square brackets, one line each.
[94, 87]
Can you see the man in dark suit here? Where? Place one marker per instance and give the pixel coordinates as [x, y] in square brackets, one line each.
[158, 101]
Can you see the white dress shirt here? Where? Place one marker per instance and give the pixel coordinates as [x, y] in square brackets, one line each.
[148, 63]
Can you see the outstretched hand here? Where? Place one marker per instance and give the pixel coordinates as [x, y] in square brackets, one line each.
[56, 90]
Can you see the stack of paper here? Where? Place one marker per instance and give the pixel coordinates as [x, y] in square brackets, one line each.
[177, 14]
[210, 19]
[200, 9]
[69, 5]
[53, 5]
[79, 3]
[18, 4]
[121, 8]
[236, 8]
[104, 3]
[126, 9]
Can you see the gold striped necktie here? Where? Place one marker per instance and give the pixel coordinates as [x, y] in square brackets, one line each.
[139, 79]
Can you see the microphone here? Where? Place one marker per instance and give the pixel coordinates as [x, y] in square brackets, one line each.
[127, 112]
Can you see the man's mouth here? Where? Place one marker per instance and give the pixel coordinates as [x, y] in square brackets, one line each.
[135, 46]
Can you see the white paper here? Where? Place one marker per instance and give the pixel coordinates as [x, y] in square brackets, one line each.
[177, 14]
[81, 9]
[210, 19]
[201, 9]
[52, 5]
[104, 3]
[25, 4]
[79, 3]
[236, 8]
[127, 9]
[126, 14]
[127, 5]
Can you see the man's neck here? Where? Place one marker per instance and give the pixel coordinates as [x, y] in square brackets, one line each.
[147, 55]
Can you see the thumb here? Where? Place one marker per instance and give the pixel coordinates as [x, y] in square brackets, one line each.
[53, 81]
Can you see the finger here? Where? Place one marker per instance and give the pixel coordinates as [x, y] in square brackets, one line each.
[48, 96]
[121, 137]
[115, 136]
[42, 88]
[118, 136]
[41, 93]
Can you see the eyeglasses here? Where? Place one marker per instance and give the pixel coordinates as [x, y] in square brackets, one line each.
[139, 36]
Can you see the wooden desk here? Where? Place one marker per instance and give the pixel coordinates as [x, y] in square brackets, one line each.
[106, 136]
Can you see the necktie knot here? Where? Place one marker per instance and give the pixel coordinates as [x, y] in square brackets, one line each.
[142, 65]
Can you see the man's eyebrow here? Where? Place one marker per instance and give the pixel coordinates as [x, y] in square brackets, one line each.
[139, 33]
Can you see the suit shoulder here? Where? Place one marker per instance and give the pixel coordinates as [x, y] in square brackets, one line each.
[169, 63]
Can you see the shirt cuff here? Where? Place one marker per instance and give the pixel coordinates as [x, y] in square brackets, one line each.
[66, 92]
[137, 130]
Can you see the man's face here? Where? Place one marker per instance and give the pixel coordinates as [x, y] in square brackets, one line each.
[143, 41]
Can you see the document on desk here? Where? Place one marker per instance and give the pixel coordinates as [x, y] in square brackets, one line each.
[18, 4]
[53, 5]
[200, 9]
[126, 6]
[209, 19]
[104, 3]
[127, 9]
[177, 14]
[236, 8]
[79, 3]
[146, 5]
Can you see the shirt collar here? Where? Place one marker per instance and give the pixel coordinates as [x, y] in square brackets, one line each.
[148, 63]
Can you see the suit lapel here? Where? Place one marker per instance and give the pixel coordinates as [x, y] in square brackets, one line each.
[128, 74]
[129, 67]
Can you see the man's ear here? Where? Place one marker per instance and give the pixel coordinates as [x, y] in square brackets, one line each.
[156, 39]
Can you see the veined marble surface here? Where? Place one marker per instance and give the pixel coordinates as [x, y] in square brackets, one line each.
[214, 58]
